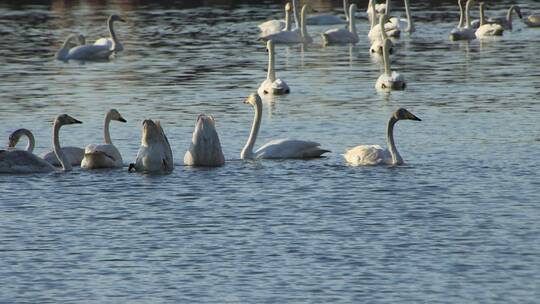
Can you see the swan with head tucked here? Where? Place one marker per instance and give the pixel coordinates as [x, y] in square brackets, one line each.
[464, 30]
[487, 29]
[205, 149]
[20, 161]
[377, 45]
[328, 19]
[389, 80]
[376, 155]
[272, 85]
[276, 26]
[112, 43]
[69, 43]
[99, 156]
[532, 21]
[505, 22]
[390, 28]
[276, 149]
[295, 36]
[342, 35]
[155, 154]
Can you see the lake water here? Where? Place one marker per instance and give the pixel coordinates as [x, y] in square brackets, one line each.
[459, 223]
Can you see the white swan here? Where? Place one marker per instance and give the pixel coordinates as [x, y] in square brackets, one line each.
[376, 155]
[487, 29]
[532, 21]
[377, 45]
[155, 154]
[104, 155]
[89, 52]
[342, 35]
[505, 22]
[390, 28]
[389, 80]
[374, 10]
[272, 85]
[327, 19]
[295, 36]
[205, 148]
[277, 149]
[407, 24]
[463, 31]
[112, 43]
[20, 161]
[276, 26]
[68, 44]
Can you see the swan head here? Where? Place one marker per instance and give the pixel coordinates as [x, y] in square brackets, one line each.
[115, 115]
[82, 39]
[253, 99]
[65, 119]
[288, 7]
[115, 17]
[15, 136]
[403, 114]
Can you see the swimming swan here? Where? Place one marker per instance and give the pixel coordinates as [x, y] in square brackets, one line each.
[104, 155]
[389, 80]
[390, 28]
[342, 35]
[205, 149]
[69, 44]
[280, 148]
[377, 45]
[463, 31]
[327, 19]
[487, 29]
[295, 36]
[404, 24]
[505, 22]
[272, 85]
[112, 42]
[276, 26]
[376, 155]
[532, 21]
[375, 10]
[20, 161]
[155, 154]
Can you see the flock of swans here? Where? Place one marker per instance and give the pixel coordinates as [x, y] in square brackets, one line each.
[155, 154]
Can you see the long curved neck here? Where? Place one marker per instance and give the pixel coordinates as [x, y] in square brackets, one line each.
[346, 9]
[106, 134]
[247, 151]
[352, 23]
[287, 20]
[31, 141]
[509, 15]
[373, 13]
[410, 25]
[112, 33]
[387, 8]
[296, 13]
[467, 14]
[396, 158]
[482, 18]
[461, 15]
[66, 165]
[386, 59]
[382, 20]
[271, 75]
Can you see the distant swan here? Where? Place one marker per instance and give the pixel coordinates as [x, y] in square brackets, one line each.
[155, 154]
[376, 155]
[505, 22]
[276, 26]
[112, 43]
[327, 19]
[389, 80]
[377, 45]
[19, 161]
[69, 43]
[272, 85]
[407, 24]
[342, 35]
[374, 10]
[532, 21]
[463, 31]
[390, 28]
[205, 148]
[295, 36]
[104, 155]
[487, 29]
[277, 149]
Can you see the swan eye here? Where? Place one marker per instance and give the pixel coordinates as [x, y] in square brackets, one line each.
[265, 92]
[383, 86]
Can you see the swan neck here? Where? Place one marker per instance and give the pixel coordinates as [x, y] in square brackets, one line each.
[352, 23]
[468, 15]
[64, 50]
[386, 59]
[396, 158]
[345, 9]
[247, 151]
[373, 13]
[106, 133]
[112, 33]
[303, 29]
[383, 31]
[509, 14]
[387, 8]
[31, 141]
[482, 18]
[461, 14]
[287, 20]
[410, 25]
[296, 14]
[66, 165]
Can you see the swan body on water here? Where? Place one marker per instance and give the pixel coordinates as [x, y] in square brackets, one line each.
[275, 26]
[155, 154]
[464, 30]
[272, 85]
[342, 35]
[487, 29]
[276, 149]
[389, 80]
[205, 149]
[112, 42]
[406, 24]
[327, 19]
[295, 36]
[532, 21]
[505, 22]
[69, 43]
[377, 45]
[376, 155]
[391, 29]
[100, 156]
[20, 161]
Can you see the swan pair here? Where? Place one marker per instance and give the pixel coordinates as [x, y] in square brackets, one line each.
[505, 22]
[464, 30]
[342, 35]
[292, 37]
[102, 49]
[487, 29]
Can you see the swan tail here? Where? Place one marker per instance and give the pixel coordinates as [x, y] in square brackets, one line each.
[97, 160]
[315, 153]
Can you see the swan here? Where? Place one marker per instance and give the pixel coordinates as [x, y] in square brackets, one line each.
[532, 21]
[155, 154]
[104, 155]
[276, 26]
[389, 80]
[276, 149]
[377, 45]
[463, 31]
[272, 85]
[376, 155]
[487, 29]
[112, 42]
[20, 161]
[390, 28]
[406, 24]
[327, 19]
[205, 148]
[295, 36]
[89, 52]
[16, 135]
[342, 35]
[68, 44]
[505, 22]
[375, 10]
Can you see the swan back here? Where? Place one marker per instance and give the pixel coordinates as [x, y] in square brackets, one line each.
[205, 148]
[20, 162]
[155, 154]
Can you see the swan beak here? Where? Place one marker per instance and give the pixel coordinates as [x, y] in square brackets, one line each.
[77, 121]
[412, 117]
[122, 119]
[121, 20]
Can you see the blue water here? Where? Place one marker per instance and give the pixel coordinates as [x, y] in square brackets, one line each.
[458, 223]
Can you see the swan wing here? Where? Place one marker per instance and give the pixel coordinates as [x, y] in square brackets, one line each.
[338, 35]
[19, 161]
[89, 52]
[284, 37]
[73, 154]
[271, 27]
[108, 42]
[290, 148]
[367, 155]
[101, 156]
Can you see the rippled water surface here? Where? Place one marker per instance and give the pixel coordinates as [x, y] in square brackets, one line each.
[459, 223]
